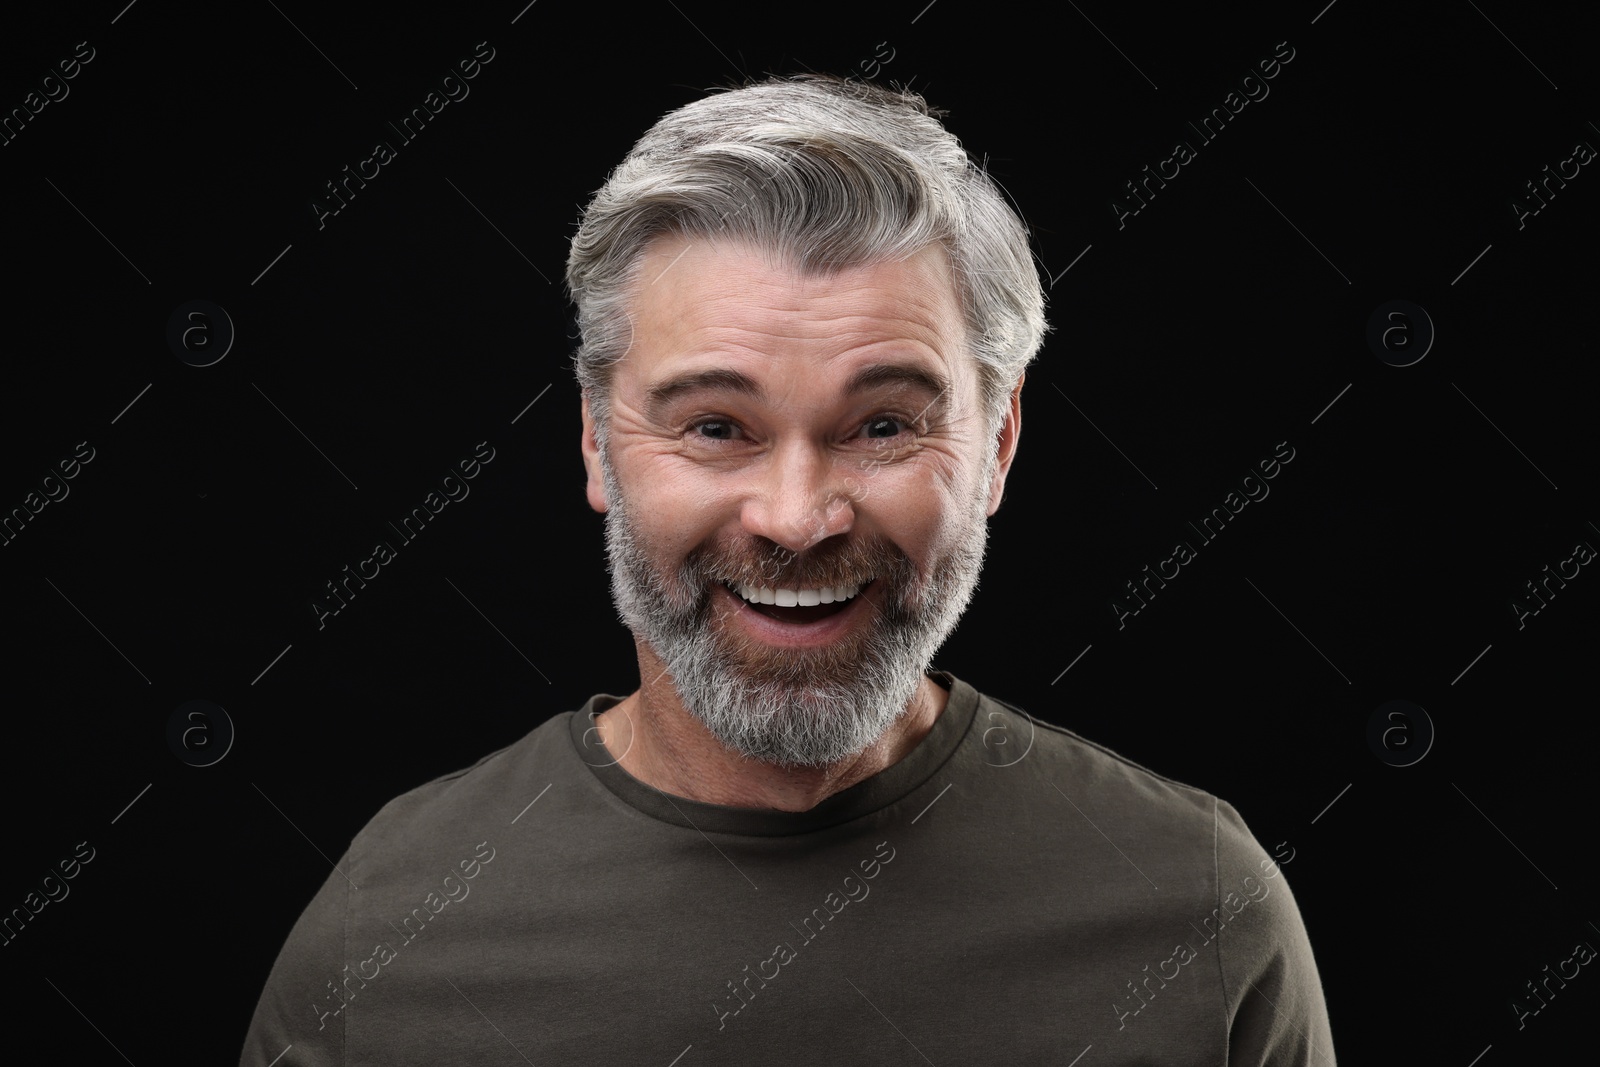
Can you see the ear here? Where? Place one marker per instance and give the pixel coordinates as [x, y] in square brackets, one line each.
[591, 460]
[1010, 430]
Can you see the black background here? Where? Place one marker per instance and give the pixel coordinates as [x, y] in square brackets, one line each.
[1222, 319]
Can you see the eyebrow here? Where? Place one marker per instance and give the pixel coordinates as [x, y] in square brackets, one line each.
[726, 380]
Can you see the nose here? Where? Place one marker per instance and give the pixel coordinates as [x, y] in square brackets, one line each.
[799, 498]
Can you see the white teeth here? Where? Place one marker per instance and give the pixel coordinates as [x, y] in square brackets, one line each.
[789, 598]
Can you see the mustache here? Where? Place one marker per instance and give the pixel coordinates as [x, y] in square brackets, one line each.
[766, 563]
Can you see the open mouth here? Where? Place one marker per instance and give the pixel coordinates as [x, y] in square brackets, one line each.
[797, 605]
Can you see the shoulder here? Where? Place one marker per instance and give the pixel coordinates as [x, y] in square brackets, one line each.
[1089, 774]
[458, 805]
[409, 860]
[1097, 778]
[1195, 838]
[1219, 881]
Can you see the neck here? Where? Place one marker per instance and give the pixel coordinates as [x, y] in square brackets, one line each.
[658, 741]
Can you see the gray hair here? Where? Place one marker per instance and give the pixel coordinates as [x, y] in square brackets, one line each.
[828, 174]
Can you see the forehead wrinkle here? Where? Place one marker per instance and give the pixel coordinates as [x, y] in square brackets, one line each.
[754, 319]
[864, 310]
[926, 278]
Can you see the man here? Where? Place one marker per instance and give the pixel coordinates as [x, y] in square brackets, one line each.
[805, 318]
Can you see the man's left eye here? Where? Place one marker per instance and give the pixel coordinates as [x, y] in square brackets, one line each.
[885, 426]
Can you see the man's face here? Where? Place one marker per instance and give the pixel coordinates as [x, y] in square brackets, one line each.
[795, 440]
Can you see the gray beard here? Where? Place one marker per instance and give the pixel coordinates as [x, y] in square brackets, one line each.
[793, 707]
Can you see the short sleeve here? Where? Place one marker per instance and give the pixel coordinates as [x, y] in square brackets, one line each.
[1272, 993]
[299, 1020]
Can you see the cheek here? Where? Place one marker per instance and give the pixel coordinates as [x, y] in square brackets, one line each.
[674, 515]
[917, 509]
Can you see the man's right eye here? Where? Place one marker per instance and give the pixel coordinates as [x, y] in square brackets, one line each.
[715, 429]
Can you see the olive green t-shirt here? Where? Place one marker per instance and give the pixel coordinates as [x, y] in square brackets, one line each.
[1007, 893]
